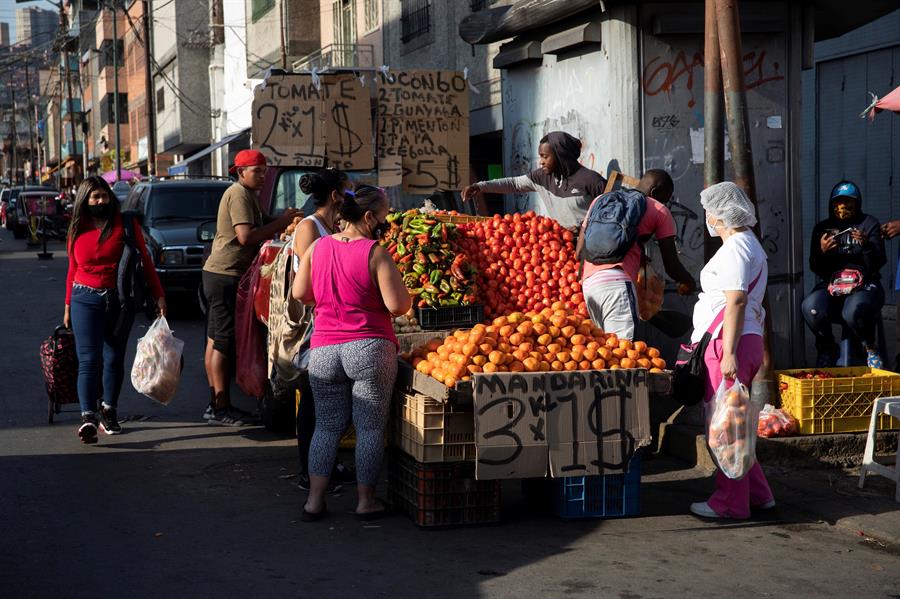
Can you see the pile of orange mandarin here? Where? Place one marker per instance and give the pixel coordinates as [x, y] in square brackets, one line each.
[552, 340]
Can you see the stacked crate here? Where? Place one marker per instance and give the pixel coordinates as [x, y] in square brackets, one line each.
[431, 475]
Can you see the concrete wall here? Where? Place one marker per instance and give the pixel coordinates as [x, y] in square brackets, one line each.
[238, 96]
[183, 125]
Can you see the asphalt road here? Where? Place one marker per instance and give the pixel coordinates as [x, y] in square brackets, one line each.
[176, 508]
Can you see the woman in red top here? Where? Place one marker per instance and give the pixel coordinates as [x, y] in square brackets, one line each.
[95, 243]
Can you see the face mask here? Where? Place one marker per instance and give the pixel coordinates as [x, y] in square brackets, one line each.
[844, 210]
[99, 210]
[712, 230]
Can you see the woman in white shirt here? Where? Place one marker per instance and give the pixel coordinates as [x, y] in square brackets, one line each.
[734, 280]
[327, 188]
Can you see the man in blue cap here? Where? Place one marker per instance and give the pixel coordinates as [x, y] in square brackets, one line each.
[846, 254]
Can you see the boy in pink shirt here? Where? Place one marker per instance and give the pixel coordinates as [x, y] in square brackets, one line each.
[609, 288]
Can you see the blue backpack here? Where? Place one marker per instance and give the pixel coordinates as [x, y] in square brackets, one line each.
[611, 227]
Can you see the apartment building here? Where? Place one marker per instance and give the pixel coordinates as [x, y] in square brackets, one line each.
[280, 32]
[137, 98]
[35, 26]
[181, 79]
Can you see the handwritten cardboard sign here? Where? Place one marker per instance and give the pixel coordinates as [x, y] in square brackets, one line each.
[422, 124]
[298, 122]
[579, 423]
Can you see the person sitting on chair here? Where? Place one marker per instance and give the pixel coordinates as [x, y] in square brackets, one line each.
[846, 254]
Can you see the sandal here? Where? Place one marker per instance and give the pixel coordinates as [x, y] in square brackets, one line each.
[306, 516]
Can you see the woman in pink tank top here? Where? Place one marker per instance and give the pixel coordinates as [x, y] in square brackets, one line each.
[355, 288]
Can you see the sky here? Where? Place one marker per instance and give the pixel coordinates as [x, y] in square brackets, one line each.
[8, 13]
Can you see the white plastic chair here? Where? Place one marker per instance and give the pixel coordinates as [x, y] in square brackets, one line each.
[890, 406]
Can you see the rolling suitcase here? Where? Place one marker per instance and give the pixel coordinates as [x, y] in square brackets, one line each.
[60, 366]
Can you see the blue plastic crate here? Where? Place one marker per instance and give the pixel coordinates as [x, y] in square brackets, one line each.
[605, 496]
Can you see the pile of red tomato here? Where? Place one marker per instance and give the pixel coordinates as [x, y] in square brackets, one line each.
[526, 263]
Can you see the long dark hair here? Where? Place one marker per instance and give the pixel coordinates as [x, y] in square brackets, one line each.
[353, 209]
[320, 184]
[80, 211]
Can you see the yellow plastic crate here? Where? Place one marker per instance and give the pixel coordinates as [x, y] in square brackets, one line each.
[838, 405]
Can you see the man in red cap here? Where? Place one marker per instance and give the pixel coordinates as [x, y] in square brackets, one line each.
[240, 229]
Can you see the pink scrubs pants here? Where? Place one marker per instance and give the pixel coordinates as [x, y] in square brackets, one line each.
[733, 498]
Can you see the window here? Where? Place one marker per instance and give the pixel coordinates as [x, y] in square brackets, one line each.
[415, 19]
[160, 100]
[260, 7]
[106, 53]
[344, 16]
[372, 20]
[108, 109]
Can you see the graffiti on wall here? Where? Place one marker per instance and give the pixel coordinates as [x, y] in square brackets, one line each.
[662, 73]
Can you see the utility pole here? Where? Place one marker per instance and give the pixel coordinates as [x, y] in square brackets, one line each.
[15, 160]
[31, 124]
[64, 23]
[150, 102]
[115, 32]
[713, 128]
[284, 64]
[728, 24]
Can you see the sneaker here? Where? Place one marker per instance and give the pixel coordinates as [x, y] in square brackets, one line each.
[227, 417]
[109, 421]
[208, 412]
[765, 506]
[87, 432]
[873, 359]
[303, 484]
[703, 510]
[343, 475]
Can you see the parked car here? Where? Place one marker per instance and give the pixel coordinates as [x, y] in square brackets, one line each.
[170, 212]
[16, 219]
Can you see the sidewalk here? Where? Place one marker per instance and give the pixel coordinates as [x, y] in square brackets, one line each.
[814, 478]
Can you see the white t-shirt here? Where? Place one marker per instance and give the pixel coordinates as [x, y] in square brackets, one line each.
[733, 268]
[322, 233]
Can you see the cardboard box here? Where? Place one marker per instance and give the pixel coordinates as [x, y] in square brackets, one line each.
[580, 423]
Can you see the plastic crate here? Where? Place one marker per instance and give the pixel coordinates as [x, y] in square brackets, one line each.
[605, 496]
[450, 317]
[838, 405]
[440, 495]
[431, 431]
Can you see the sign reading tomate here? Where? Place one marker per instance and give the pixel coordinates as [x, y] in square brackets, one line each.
[578, 423]
[422, 125]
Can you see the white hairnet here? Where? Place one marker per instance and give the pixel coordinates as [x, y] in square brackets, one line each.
[727, 202]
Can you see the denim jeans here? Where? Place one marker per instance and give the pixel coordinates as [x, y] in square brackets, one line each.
[858, 311]
[101, 353]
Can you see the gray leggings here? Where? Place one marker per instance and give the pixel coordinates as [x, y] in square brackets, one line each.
[351, 378]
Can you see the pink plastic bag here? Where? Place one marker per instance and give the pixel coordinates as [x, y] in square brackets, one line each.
[250, 342]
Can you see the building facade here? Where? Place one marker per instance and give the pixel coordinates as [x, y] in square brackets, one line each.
[35, 26]
[181, 60]
[280, 32]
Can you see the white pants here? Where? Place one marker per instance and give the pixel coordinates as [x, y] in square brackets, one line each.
[613, 307]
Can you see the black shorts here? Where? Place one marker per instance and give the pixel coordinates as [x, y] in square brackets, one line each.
[220, 292]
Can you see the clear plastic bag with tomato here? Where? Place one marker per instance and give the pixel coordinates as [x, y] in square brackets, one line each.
[731, 429]
[774, 422]
[649, 288]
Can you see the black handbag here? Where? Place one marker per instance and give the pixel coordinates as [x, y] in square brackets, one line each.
[689, 374]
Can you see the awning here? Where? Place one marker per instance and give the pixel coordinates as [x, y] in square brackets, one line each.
[181, 167]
